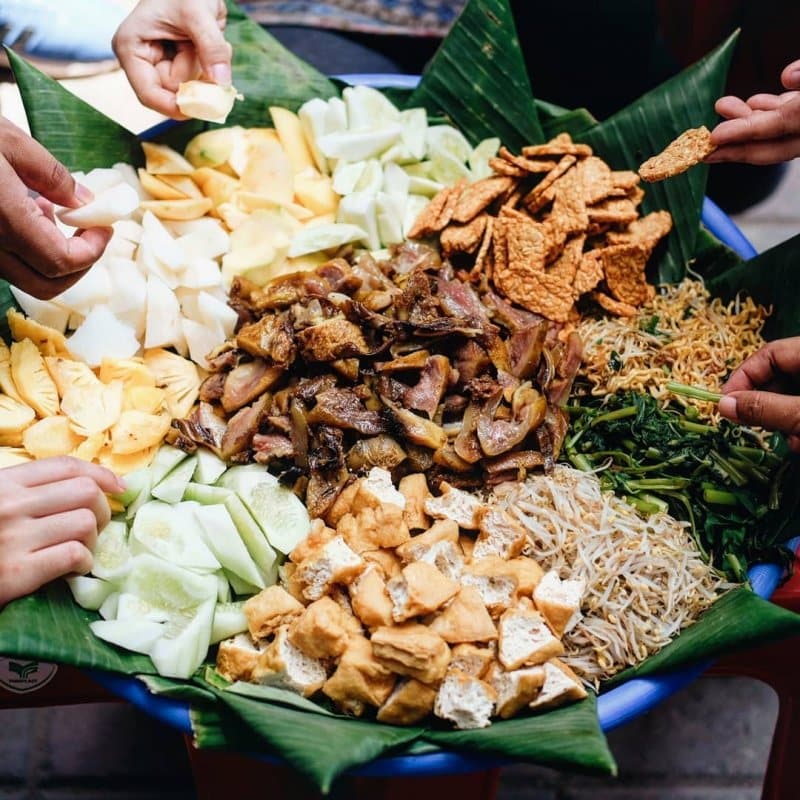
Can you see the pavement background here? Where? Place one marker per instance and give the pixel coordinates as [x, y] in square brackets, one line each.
[709, 742]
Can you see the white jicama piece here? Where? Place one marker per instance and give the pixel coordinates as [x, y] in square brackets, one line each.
[163, 317]
[99, 179]
[128, 286]
[101, 335]
[115, 203]
[93, 289]
[45, 311]
[325, 237]
[359, 209]
[201, 340]
[359, 145]
[207, 101]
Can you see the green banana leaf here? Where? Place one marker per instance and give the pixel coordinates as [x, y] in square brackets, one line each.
[478, 80]
[646, 126]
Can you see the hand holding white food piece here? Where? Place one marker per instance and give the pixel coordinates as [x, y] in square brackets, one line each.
[35, 255]
[161, 45]
[765, 129]
[765, 390]
[50, 514]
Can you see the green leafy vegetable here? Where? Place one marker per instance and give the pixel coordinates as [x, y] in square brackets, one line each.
[723, 479]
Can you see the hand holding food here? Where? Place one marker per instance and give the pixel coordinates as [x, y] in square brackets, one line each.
[34, 254]
[50, 514]
[765, 129]
[161, 45]
[764, 390]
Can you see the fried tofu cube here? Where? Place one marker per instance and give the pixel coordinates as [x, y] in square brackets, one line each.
[332, 563]
[270, 609]
[525, 638]
[415, 490]
[467, 544]
[412, 650]
[374, 528]
[343, 504]
[497, 589]
[360, 679]
[559, 602]
[515, 689]
[446, 557]
[237, 657]
[455, 504]
[318, 536]
[500, 535]
[410, 702]
[370, 600]
[284, 665]
[527, 573]
[419, 589]
[287, 575]
[443, 530]
[465, 700]
[377, 491]
[350, 621]
[386, 560]
[473, 660]
[465, 619]
[320, 631]
[561, 686]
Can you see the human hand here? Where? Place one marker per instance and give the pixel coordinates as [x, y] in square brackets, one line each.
[50, 514]
[763, 130]
[34, 254]
[764, 390]
[163, 44]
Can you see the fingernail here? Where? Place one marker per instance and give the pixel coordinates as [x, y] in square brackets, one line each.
[727, 407]
[83, 194]
[221, 73]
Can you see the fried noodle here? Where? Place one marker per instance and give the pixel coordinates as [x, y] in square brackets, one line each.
[682, 335]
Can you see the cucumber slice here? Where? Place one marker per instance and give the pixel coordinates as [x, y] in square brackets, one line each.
[166, 459]
[415, 130]
[209, 467]
[111, 553]
[171, 488]
[254, 539]
[136, 482]
[166, 586]
[171, 533]
[137, 635]
[479, 157]
[229, 619]
[223, 587]
[109, 608]
[279, 512]
[206, 495]
[184, 645]
[131, 606]
[241, 588]
[225, 542]
[89, 593]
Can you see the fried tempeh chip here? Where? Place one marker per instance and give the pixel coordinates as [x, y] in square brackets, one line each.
[690, 148]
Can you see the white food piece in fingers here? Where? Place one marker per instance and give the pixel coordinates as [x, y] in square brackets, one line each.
[110, 205]
[207, 101]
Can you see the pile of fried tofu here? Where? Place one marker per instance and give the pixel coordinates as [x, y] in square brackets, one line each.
[404, 604]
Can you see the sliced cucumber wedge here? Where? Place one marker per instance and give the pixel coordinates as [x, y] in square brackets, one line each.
[183, 646]
[209, 467]
[167, 586]
[229, 619]
[131, 606]
[89, 593]
[171, 488]
[206, 495]
[166, 459]
[111, 553]
[137, 635]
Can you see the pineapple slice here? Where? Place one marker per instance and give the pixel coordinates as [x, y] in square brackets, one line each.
[11, 456]
[90, 447]
[7, 384]
[49, 341]
[123, 464]
[137, 431]
[93, 409]
[131, 371]
[67, 373]
[163, 160]
[15, 416]
[51, 436]
[32, 379]
[177, 376]
[148, 399]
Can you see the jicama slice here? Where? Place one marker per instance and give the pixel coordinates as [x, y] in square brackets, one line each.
[139, 636]
[225, 542]
[112, 556]
[325, 237]
[101, 335]
[171, 533]
[113, 204]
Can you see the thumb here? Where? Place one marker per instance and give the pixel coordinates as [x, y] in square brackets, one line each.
[790, 77]
[213, 52]
[776, 412]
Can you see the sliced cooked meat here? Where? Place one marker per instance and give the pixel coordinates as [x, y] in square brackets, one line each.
[466, 444]
[242, 427]
[497, 436]
[332, 339]
[326, 449]
[223, 358]
[271, 338]
[519, 460]
[342, 409]
[417, 303]
[429, 390]
[308, 388]
[212, 386]
[417, 429]
[471, 360]
[566, 369]
[247, 382]
[378, 451]
[416, 360]
[323, 489]
[202, 427]
[525, 349]
[268, 447]
[509, 316]
[410, 256]
[459, 300]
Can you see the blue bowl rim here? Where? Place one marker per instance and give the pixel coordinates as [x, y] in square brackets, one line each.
[614, 708]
